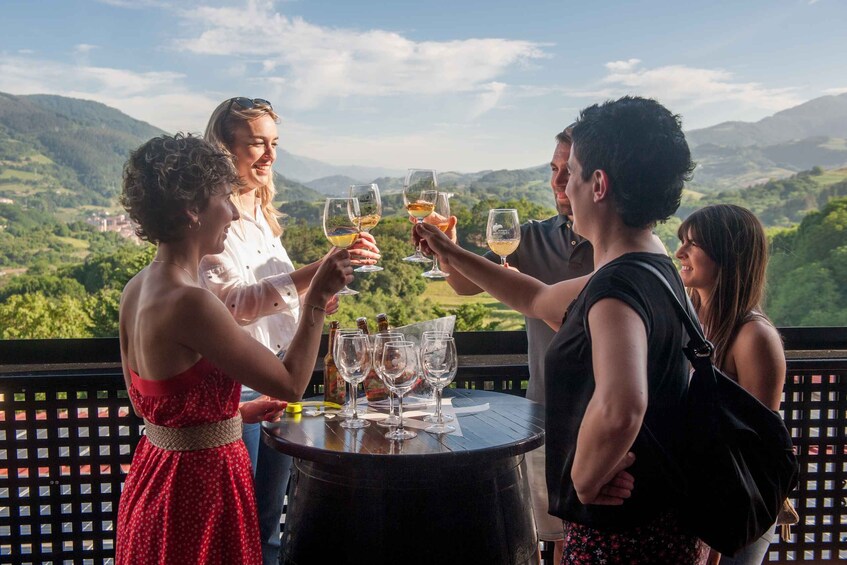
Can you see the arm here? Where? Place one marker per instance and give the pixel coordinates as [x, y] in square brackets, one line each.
[122, 338]
[523, 293]
[759, 362]
[245, 301]
[616, 410]
[209, 329]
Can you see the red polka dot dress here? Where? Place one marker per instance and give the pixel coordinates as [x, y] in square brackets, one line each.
[188, 506]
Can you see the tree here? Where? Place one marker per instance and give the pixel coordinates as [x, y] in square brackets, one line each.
[36, 316]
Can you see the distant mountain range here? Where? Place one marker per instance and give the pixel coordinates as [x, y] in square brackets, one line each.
[68, 153]
[739, 154]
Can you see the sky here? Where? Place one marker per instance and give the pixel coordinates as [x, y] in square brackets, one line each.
[460, 85]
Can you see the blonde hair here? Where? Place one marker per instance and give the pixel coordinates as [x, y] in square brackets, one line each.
[220, 132]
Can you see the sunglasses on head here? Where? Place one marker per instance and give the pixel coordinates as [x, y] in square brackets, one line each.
[247, 103]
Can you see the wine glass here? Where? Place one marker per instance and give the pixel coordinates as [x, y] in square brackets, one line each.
[370, 212]
[353, 358]
[440, 217]
[347, 410]
[503, 232]
[380, 340]
[429, 335]
[439, 362]
[400, 367]
[419, 193]
[341, 227]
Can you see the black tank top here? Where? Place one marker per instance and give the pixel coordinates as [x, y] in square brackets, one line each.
[570, 385]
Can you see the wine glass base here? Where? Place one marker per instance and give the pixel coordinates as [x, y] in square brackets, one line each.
[346, 292]
[400, 435]
[367, 269]
[355, 423]
[440, 429]
[435, 275]
[389, 422]
[416, 259]
[444, 417]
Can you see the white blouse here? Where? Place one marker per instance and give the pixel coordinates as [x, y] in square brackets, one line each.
[252, 277]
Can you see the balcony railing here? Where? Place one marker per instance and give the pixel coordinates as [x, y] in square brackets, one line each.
[67, 434]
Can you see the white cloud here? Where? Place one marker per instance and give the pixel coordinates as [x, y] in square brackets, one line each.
[84, 48]
[159, 98]
[488, 99]
[698, 93]
[320, 63]
[836, 91]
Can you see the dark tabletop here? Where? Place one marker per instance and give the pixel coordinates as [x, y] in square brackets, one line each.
[511, 426]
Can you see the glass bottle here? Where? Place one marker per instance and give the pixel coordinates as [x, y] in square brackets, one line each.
[375, 389]
[334, 385]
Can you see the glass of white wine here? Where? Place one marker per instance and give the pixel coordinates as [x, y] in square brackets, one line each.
[420, 191]
[440, 217]
[341, 226]
[503, 232]
[370, 212]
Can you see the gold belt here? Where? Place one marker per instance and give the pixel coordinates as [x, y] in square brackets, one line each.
[204, 436]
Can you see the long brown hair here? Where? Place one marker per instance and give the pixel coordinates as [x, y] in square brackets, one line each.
[221, 132]
[735, 240]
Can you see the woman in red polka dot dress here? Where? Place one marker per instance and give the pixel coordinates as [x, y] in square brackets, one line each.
[189, 495]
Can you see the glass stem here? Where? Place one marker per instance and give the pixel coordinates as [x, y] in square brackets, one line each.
[418, 248]
[435, 263]
[502, 261]
[390, 403]
[439, 417]
[400, 426]
[355, 415]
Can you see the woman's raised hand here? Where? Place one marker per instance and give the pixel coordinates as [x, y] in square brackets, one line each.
[333, 274]
[364, 250]
[432, 239]
[261, 409]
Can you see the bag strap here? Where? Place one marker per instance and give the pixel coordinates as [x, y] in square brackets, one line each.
[699, 348]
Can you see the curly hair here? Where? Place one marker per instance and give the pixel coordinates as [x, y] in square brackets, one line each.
[640, 145]
[169, 175]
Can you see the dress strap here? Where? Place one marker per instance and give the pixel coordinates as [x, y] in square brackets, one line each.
[204, 436]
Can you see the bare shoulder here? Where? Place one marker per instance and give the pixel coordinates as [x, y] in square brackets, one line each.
[758, 336]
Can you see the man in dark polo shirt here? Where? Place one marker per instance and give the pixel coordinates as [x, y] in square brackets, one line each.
[551, 252]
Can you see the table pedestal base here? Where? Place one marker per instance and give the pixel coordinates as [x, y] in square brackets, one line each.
[410, 513]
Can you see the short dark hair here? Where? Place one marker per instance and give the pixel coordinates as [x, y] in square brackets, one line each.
[564, 136]
[167, 176]
[640, 145]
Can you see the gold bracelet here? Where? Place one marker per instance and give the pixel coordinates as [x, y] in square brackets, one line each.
[312, 316]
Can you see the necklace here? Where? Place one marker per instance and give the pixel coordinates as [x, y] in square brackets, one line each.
[175, 264]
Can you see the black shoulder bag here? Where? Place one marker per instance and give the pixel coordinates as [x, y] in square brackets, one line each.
[739, 462]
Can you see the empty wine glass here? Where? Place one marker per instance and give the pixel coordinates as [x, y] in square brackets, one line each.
[370, 212]
[341, 227]
[380, 340]
[347, 410]
[419, 193]
[400, 367]
[440, 217]
[353, 358]
[439, 361]
[503, 232]
[426, 336]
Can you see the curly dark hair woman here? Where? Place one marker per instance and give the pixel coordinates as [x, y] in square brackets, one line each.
[169, 175]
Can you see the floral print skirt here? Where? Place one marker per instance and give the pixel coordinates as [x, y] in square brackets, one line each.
[660, 541]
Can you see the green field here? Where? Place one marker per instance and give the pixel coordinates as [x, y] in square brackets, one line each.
[441, 293]
[831, 176]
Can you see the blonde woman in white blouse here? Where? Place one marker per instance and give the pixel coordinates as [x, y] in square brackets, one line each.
[257, 281]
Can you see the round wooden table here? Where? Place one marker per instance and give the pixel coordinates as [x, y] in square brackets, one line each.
[356, 497]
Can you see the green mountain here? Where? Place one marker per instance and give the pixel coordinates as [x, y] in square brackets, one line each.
[63, 152]
[734, 155]
[59, 152]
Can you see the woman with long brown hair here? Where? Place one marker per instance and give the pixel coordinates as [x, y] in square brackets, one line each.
[257, 281]
[724, 256]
